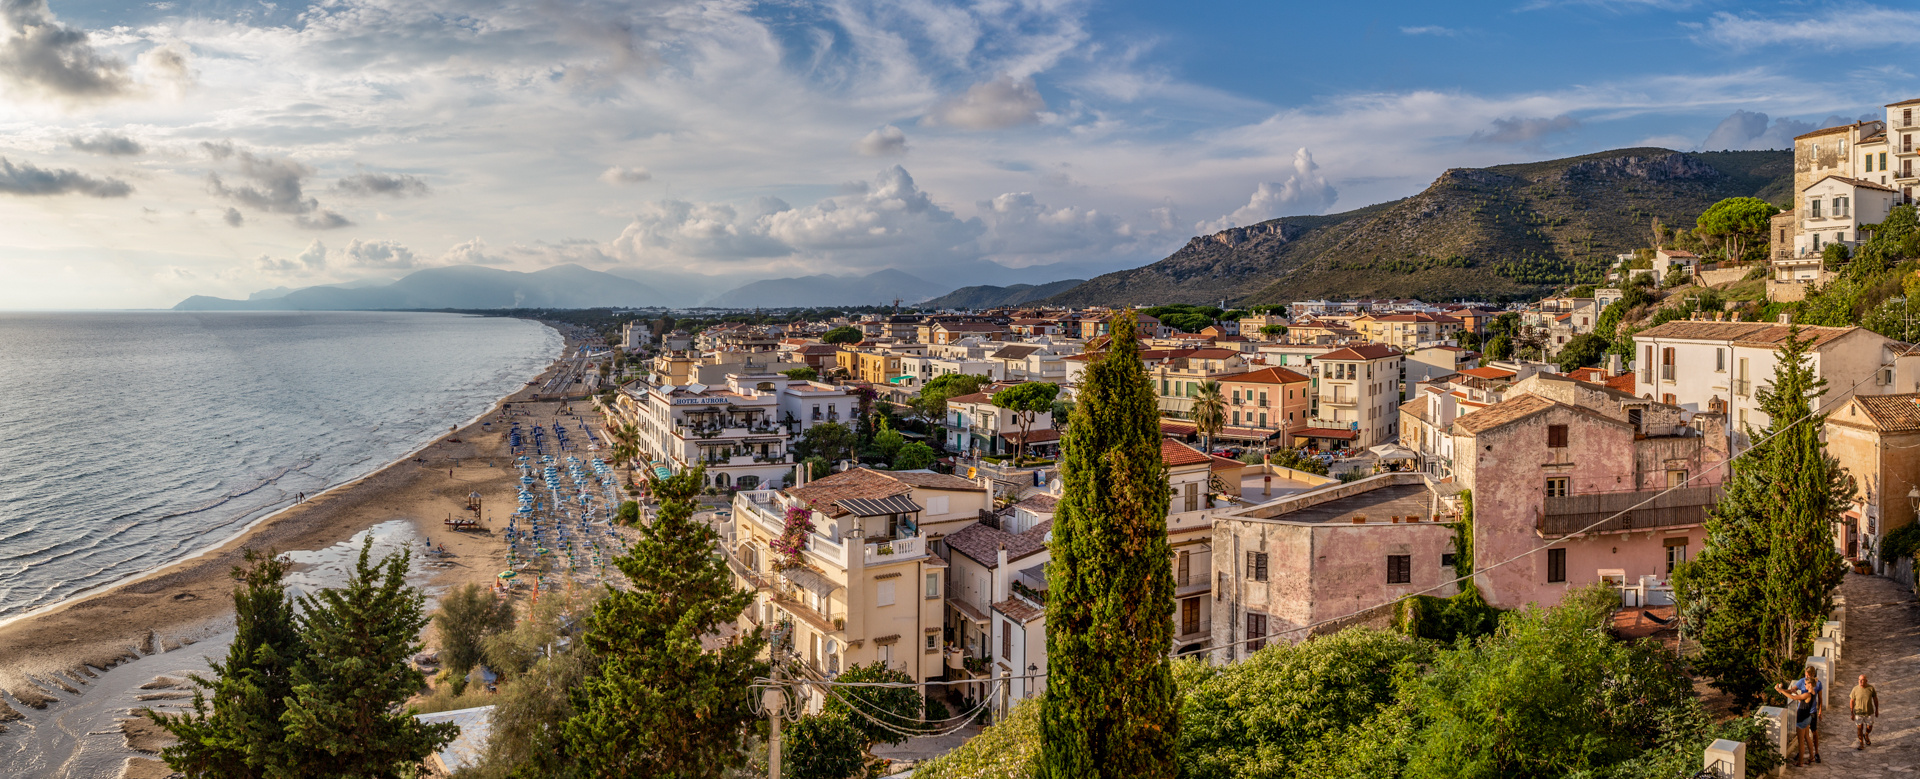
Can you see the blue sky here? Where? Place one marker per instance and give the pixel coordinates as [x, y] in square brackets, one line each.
[220, 146]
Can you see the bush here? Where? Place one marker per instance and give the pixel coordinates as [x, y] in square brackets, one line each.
[629, 513]
[1446, 620]
[1901, 544]
[897, 707]
[823, 746]
[1008, 749]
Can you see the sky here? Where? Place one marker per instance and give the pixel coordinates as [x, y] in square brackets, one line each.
[154, 150]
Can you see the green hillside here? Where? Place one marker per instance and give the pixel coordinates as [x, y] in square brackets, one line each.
[1505, 232]
[989, 296]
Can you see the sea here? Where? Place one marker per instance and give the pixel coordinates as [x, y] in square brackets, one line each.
[129, 440]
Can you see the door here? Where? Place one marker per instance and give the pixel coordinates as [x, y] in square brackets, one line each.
[1189, 616]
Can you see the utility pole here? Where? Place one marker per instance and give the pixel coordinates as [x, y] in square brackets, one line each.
[776, 702]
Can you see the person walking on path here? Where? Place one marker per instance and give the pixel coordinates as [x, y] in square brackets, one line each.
[1865, 703]
[1807, 729]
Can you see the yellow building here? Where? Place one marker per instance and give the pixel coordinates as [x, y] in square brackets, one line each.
[870, 367]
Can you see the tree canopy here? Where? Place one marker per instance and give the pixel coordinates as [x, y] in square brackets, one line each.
[1736, 222]
[842, 335]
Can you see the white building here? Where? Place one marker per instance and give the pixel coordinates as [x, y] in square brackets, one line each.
[1357, 397]
[1832, 210]
[740, 431]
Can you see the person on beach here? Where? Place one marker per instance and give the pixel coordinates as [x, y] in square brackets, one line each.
[1806, 691]
[1865, 703]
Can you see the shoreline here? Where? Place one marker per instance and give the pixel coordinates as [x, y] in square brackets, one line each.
[190, 598]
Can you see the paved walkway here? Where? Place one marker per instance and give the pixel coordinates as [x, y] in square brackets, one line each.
[1883, 642]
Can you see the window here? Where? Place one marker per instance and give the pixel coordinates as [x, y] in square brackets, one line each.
[1263, 419]
[1399, 569]
[931, 637]
[1257, 566]
[1236, 397]
[1006, 641]
[1841, 206]
[1256, 630]
[933, 586]
[1720, 360]
[1193, 497]
[1557, 436]
[1446, 560]
[1183, 573]
[1557, 487]
[1676, 478]
[1189, 616]
[1556, 565]
[884, 596]
[1236, 416]
[886, 656]
[1263, 398]
[1676, 552]
[1813, 208]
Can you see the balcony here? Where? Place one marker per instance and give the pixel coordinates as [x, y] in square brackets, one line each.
[1666, 373]
[1742, 387]
[896, 550]
[1904, 174]
[1678, 508]
[1344, 401]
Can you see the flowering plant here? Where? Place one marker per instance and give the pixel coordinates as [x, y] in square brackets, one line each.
[793, 538]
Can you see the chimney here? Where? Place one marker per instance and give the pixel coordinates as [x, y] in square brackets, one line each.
[1359, 519]
[1733, 317]
[1786, 318]
[1613, 366]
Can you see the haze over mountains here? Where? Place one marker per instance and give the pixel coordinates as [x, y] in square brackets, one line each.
[1508, 231]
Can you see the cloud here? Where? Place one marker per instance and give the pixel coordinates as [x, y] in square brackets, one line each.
[1516, 129]
[109, 144]
[1003, 102]
[887, 141]
[366, 184]
[1305, 190]
[384, 255]
[1432, 29]
[1023, 231]
[1851, 27]
[618, 175]
[27, 179]
[277, 187]
[473, 252]
[310, 260]
[172, 65]
[41, 56]
[233, 217]
[1749, 130]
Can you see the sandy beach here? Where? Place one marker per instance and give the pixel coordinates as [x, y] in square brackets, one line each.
[189, 600]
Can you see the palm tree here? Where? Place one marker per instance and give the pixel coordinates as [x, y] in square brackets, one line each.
[1209, 412]
[626, 445]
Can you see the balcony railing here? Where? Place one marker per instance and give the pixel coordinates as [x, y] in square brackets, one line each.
[1676, 508]
[1666, 373]
[1742, 387]
[896, 550]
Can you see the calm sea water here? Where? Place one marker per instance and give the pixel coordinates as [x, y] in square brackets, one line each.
[129, 440]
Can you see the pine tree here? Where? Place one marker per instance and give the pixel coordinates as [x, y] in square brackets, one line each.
[1811, 492]
[1109, 709]
[1769, 569]
[343, 717]
[241, 734]
[663, 704]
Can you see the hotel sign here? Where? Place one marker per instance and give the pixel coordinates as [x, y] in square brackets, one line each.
[697, 401]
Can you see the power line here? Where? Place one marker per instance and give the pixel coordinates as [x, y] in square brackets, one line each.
[1582, 531]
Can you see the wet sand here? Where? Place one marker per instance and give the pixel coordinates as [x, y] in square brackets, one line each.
[191, 600]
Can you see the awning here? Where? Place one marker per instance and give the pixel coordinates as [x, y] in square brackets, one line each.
[810, 579]
[967, 610]
[1325, 432]
[1393, 452]
[880, 507]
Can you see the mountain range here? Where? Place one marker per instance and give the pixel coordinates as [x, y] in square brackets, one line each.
[877, 288]
[458, 286]
[1505, 232]
[988, 296]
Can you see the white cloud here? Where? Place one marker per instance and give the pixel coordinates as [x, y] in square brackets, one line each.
[1305, 190]
[25, 178]
[1003, 102]
[277, 187]
[1516, 129]
[384, 255]
[887, 141]
[41, 57]
[311, 260]
[1744, 130]
[390, 184]
[618, 175]
[233, 217]
[1845, 26]
[1432, 29]
[107, 143]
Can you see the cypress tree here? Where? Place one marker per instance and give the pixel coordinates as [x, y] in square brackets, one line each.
[342, 717]
[240, 735]
[1769, 569]
[663, 704]
[1109, 709]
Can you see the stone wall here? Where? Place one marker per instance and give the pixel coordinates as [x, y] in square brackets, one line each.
[1723, 276]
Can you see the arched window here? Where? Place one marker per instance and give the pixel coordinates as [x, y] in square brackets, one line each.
[748, 482]
[720, 480]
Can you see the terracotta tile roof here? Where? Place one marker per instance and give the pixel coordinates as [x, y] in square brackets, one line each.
[1265, 376]
[1705, 331]
[1888, 413]
[1224, 463]
[1421, 317]
[1019, 610]
[1503, 413]
[1824, 131]
[824, 494]
[981, 543]
[1418, 408]
[1589, 375]
[1622, 382]
[1014, 352]
[1489, 373]
[1175, 453]
[977, 397]
[1039, 504]
[1679, 253]
[1774, 335]
[1915, 101]
[1850, 182]
[968, 327]
[1362, 352]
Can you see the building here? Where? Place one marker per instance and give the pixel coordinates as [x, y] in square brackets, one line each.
[1252, 326]
[867, 586]
[739, 431]
[974, 424]
[635, 336]
[1721, 366]
[1323, 555]
[1432, 362]
[1665, 261]
[1177, 374]
[1357, 398]
[1831, 211]
[1877, 439]
[996, 603]
[1545, 473]
[873, 367]
[1268, 399]
[1407, 331]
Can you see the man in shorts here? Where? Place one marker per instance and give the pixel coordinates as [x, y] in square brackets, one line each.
[1865, 704]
